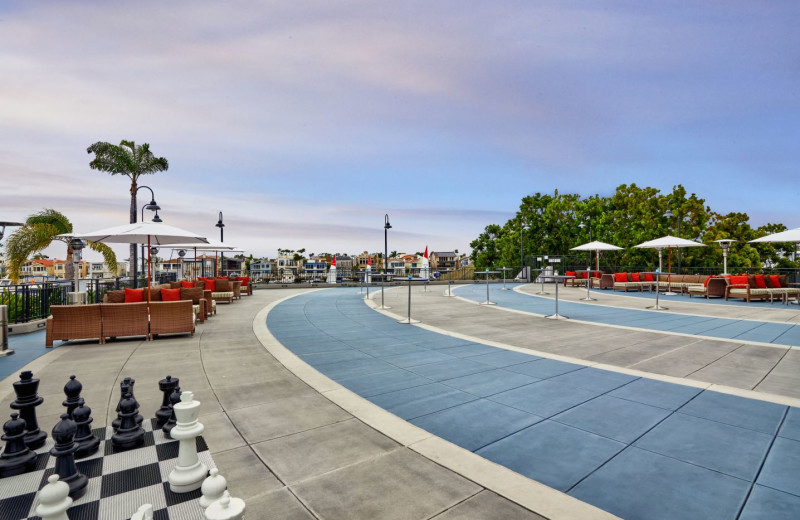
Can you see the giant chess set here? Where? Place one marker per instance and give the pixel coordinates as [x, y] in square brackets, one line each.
[137, 469]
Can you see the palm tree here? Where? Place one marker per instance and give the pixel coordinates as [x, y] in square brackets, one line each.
[129, 160]
[39, 231]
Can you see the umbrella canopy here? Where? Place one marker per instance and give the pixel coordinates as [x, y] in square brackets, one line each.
[152, 233]
[668, 241]
[212, 245]
[790, 235]
[596, 246]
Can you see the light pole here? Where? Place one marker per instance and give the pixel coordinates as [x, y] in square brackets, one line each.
[152, 206]
[669, 214]
[522, 229]
[76, 244]
[181, 254]
[583, 225]
[725, 244]
[220, 225]
[386, 228]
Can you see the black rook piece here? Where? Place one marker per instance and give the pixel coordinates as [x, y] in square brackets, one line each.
[73, 390]
[167, 386]
[174, 399]
[16, 458]
[64, 452]
[26, 403]
[84, 438]
[129, 434]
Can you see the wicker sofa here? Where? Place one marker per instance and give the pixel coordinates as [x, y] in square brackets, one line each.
[171, 318]
[760, 287]
[633, 282]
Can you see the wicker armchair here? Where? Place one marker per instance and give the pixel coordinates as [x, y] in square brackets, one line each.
[124, 319]
[74, 322]
[198, 299]
[224, 291]
[171, 318]
[237, 289]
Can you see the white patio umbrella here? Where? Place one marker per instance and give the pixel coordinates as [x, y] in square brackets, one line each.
[153, 233]
[790, 235]
[212, 245]
[596, 246]
[668, 241]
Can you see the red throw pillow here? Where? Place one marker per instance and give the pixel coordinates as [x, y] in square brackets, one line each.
[570, 273]
[739, 279]
[635, 277]
[245, 280]
[134, 295]
[648, 277]
[621, 277]
[705, 284]
[170, 295]
[584, 275]
[187, 285]
[222, 277]
[760, 283]
[775, 280]
[211, 285]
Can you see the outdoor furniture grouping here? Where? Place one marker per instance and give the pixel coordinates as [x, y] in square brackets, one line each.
[581, 277]
[112, 320]
[760, 287]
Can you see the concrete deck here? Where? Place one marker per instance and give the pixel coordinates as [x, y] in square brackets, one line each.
[296, 443]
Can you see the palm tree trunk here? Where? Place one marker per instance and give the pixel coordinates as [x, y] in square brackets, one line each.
[69, 269]
[132, 264]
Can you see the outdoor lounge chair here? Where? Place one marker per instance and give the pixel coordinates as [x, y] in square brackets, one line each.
[198, 300]
[68, 322]
[124, 319]
[171, 318]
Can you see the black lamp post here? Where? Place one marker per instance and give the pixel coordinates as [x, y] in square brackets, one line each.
[522, 229]
[220, 225]
[386, 228]
[76, 244]
[669, 214]
[152, 206]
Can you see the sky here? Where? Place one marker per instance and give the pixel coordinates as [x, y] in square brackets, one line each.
[305, 122]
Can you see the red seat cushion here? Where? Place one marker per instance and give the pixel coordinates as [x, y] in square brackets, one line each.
[648, 277]
[134, 295]
[211, 285]
[187, 285]
[739, 279]
[760, 283]
[171, 295]
[621, 277]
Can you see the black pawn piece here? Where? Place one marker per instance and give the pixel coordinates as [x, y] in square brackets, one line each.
[167, 386]
[73, 390]
[84, 438]
[174, 399]
[26, 403]
[17, 458]
[129, 434]
[64, 452]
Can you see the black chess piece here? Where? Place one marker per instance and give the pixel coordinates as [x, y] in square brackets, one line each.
[129, 434]
[73, 390]
[84, 438]
[64, 452]
[26, 402]
[167, 386]
[174, 399]
[17, 458]
[125, 387]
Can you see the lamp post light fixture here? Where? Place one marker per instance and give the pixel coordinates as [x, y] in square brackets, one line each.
[386, 228]
[583, 225]
[181, 254]
[725, 244]
[220, 225]
[152, 206]
[76, 244]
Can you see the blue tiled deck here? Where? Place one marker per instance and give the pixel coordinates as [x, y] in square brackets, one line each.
[636, 447]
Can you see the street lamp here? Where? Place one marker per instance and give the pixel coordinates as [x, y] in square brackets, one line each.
[386, 228]
[523, 227]
[725, 244]
[669, 214]
[181, 254]
[583, 225]
[76, 244]
[152, 206]
[220, 225]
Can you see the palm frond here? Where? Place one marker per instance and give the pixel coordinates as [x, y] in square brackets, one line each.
[109, 256]
[51, 217]
[24, 242]
[126, 159]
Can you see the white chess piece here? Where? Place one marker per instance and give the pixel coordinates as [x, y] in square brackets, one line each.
[226, 508]
[54, 500]
[213, 488]
[145, 512]
[189, 474]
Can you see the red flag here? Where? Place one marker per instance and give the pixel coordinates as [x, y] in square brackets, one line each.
[426, 251]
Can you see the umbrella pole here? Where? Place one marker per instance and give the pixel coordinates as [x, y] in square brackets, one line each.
[195, 264]
[148, 270]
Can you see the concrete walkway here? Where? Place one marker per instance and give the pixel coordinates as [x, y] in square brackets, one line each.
[289, 451]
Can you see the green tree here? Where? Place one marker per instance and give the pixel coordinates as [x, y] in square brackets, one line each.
[39, 231]
[129, 160]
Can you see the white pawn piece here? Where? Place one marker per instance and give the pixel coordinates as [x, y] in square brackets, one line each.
[145, 512]
[226, 508]
[54, 500]
[189, 474]
[213, 488]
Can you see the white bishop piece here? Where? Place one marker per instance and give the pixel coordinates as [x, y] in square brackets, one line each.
[213, 488]
[54, 500]
[144, 512]
[226, 508]
[189, 473]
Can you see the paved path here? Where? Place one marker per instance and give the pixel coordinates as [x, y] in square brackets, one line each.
[637, 447]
